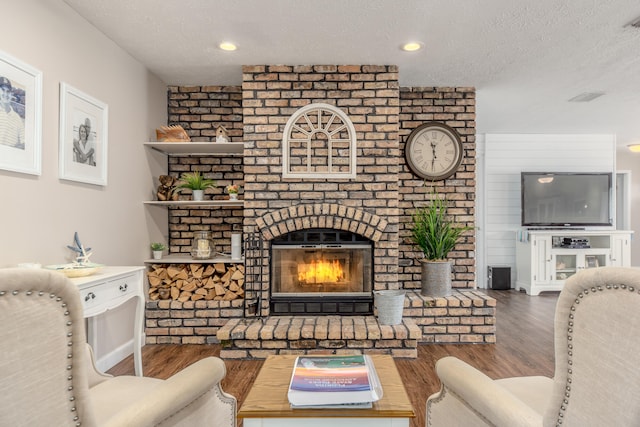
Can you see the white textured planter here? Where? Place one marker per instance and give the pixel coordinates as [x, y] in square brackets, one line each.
[157, 254]
[198, 195]
[436, 278]
[233, 196]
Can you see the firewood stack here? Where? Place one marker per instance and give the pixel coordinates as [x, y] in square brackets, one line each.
[193, 282]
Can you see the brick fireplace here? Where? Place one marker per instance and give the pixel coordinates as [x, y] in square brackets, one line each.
[376, 205]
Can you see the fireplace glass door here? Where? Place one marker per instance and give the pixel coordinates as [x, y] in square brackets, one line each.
[307, 270]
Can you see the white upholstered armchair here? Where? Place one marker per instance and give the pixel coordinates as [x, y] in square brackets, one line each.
[597, 374]
[48, 378]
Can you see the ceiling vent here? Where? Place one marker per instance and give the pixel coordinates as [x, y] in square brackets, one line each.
[586, 97]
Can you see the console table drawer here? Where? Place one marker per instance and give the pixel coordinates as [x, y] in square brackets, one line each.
[103, 295]
[123, 287]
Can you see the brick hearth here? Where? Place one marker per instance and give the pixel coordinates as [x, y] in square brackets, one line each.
[247, 338]
[467, 316]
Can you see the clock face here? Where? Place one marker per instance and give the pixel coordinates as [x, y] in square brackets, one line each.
[434, 151]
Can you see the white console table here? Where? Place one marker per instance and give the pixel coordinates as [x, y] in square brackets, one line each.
[108, 289]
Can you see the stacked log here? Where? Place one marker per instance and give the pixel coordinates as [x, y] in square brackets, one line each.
[193, 282]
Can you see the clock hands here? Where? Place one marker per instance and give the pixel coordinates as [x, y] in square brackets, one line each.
[433, 157]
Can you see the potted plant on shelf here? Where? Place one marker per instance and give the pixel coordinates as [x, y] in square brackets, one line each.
[233, 191]
[197, 183]
[157, 249]
[435, 234]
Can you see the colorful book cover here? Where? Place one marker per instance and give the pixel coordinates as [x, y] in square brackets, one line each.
[334, 381]
[338, 373]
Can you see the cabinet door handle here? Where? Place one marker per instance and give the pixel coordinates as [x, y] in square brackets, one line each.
[89, 296]
[124, 287]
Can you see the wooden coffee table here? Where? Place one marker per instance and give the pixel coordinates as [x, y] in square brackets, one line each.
[267, 405]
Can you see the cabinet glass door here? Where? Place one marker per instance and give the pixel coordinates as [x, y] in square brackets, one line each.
[595, 260]
[565, 266]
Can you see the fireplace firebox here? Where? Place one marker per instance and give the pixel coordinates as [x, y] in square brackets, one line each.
[321, 271]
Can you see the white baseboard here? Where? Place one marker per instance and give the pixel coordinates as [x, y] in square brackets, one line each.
[115, 356]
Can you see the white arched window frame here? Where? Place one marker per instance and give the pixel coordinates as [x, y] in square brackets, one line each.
[319, 125]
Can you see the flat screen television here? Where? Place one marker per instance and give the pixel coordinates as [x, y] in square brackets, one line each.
[566, 199]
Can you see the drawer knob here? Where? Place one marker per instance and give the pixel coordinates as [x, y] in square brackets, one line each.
[89, 296]
[124, 287]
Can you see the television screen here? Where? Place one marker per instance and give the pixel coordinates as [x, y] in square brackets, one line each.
[566, 199]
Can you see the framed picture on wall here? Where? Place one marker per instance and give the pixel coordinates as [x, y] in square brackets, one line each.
[83, 137]
[20, 116]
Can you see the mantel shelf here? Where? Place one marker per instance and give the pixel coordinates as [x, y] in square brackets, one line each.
[197, 148]
[186, 203]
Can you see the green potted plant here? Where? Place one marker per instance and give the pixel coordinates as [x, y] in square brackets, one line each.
[157, 249]
[197, 183]
[436, 234]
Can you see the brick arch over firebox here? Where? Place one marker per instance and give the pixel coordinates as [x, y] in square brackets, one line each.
[321, 215]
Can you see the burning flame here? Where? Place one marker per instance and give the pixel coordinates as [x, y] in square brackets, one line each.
[320, 271]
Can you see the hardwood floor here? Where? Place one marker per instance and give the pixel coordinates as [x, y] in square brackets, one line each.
[524, 346]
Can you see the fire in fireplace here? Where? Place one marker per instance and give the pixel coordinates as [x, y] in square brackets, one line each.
[321, 271]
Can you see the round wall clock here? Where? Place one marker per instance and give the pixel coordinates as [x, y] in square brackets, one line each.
[434, 151]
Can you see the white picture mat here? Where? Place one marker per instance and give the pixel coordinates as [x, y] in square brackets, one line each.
[24, 77]
[75, 108]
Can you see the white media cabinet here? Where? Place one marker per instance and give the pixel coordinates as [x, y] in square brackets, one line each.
[546, 258]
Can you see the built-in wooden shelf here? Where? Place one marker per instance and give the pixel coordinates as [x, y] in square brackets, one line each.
[187, 259]
[197, 148]
[204, 203]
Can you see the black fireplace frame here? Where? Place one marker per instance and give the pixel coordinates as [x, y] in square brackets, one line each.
[327, 303]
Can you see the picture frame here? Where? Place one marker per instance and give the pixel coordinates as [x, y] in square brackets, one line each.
[591, 261]
[83, 137]
[21, 124]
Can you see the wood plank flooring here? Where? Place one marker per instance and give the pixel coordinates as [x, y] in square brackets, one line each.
[524, 347]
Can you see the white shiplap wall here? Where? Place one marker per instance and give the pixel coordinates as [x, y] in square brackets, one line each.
[501, 159]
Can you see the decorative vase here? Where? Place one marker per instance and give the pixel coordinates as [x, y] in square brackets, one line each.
[436, 278]
[233, 196]
[157, 254]
[198, 195]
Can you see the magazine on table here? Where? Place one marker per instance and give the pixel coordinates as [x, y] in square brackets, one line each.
[334, 382]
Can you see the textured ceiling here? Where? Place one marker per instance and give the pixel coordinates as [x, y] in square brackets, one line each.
[526, 59]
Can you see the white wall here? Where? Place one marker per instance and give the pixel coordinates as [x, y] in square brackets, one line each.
[501, 159]
[40, 213]
[628, 161]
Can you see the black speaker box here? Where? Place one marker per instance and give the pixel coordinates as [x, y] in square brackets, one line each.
[499, 278]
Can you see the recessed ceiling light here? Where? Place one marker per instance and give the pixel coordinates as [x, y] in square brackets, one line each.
[634, 147]
[412, 46]
[228, 46]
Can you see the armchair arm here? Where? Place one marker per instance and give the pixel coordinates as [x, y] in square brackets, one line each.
[191, 397]
[486, 402]
[94, 376]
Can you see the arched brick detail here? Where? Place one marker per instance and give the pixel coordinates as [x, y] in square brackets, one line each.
[321, 215]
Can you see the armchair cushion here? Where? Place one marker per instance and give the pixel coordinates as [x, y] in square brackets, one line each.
[468, 398]
[190, 395]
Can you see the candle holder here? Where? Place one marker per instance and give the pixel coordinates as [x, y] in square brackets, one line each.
[202, 246]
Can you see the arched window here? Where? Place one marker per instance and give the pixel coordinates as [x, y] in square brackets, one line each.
[319, 141]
